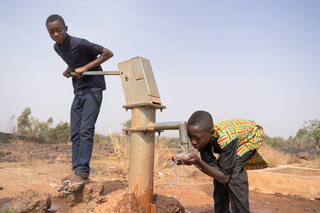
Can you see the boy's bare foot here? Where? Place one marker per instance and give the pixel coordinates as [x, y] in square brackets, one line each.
[65, 182]
[72, 183]
[77, 182]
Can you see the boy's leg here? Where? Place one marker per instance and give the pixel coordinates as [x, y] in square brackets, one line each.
[238, 187]
[75, 123]
[221, 198]
[91, 109]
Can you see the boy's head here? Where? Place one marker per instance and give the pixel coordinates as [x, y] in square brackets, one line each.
[200, 129]
[57, 28]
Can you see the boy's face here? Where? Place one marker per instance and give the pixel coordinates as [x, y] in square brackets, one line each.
[199, 137]
[57, 31]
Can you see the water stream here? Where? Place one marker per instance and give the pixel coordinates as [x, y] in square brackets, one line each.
[177, 168]
[185, 148]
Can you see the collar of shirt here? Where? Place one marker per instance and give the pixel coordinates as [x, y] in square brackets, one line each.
[66, 43]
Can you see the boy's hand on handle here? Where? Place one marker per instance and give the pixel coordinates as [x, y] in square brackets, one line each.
[67, 72]
[80, 70]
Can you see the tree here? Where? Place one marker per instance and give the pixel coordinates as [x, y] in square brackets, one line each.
[274, 142]
[312, 128]
[23, 121]
[127, 124]
[32, 129]
[60, 134]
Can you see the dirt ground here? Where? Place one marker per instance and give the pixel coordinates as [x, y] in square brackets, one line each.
[23, 166]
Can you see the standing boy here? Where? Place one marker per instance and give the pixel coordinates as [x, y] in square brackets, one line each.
[236, 141]
[80, 56]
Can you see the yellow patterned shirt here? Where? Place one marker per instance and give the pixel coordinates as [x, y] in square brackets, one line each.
[250, 136]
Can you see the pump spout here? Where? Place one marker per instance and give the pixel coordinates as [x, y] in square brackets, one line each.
[181, 125]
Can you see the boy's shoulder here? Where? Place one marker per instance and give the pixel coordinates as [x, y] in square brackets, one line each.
[77, 39]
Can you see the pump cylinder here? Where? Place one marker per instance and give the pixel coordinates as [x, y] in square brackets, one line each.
[141, 166]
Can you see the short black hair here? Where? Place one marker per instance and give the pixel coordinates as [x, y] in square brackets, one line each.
[201, 118]
[55, 17]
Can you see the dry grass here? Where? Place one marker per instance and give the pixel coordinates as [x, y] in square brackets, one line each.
[314, 162]
[108, 163]
[277, 157]
[163, 154]
[121, 146]
[274, 156]
[162, 157]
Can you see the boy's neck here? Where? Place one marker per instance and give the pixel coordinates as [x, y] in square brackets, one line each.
[64, 43]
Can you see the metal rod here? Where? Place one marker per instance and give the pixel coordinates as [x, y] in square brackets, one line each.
[181, 125]
[98, 73]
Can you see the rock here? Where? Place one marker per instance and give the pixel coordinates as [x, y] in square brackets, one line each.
[294, 160]
[61, 158]
[101, 199]
[50, 162]
[12, 158]
[303, 155]
[88, 192]
[2, 153]
[167, 204]
[95, 204]
[129, 203]
[56, 194]
[53, 185]
[30, 201]
[194, 174]
[267, 192]
[105, 204]
[8, 152]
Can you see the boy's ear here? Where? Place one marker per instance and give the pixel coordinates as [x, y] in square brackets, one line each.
[66, 28]
[212, 131]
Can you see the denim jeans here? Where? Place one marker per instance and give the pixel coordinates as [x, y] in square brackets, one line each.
[84, 113]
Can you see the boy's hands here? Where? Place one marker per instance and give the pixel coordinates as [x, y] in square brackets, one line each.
[80, 70]
[77, 72]
[67, 72]
[105, 55]
[186, 160]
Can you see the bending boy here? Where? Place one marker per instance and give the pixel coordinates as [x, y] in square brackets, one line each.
[80, 56]
[237, 142]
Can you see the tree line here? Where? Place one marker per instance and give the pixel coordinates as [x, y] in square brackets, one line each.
[32, 129]
[308, 137]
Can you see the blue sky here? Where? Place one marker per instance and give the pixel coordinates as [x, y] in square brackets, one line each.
[256, 60]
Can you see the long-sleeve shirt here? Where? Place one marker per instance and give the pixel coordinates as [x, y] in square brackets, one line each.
[235, 138]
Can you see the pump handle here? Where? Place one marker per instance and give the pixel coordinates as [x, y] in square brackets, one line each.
[98, 73]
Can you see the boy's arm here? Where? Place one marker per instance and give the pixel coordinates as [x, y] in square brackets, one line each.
[212, 171]
[227, 162]
[105, 55]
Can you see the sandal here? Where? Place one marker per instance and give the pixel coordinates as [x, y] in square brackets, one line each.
[73, 184]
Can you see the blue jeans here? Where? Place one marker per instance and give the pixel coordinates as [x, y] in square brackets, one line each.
[84, 113]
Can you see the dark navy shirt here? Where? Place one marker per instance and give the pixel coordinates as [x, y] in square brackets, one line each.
[77, 52]
[228, 155]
